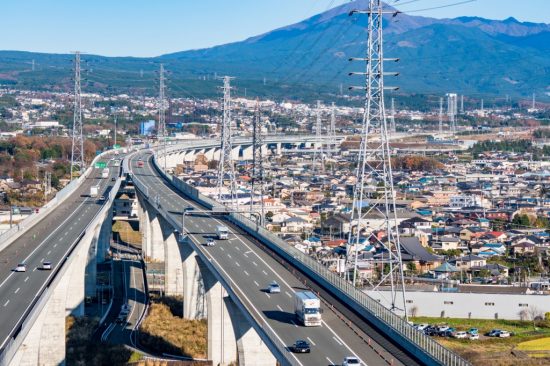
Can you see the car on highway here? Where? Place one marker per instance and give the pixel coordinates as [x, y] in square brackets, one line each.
[47, 266]
[102, 198]
[300, 346]
[210, 242]
[113, 179]
[21, 267]
[350, 360]
[274, 288]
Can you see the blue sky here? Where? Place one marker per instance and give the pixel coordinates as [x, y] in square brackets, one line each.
[154, 27]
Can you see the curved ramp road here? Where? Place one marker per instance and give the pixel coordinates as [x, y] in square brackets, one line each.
[252, 270]
[48, 240]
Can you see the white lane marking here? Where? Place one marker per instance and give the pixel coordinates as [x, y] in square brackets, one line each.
[237, 248]
[337, 341]
[49, 251]
[256, 264]
[266, 294]
[16, 291]
[54, 245]
[7, 302]
[256, 283]
[331, 363]
[34, 269]
[246, 273]
[237, 263]
[311, 341]
[60, 239]
[26, 279]
[296, 325]
[250, 251]
[245, 255]
[223, 250]
[229, 255]
[279, 307]
[335, 336]
[288, 294]
[264, 272]
[42, 260]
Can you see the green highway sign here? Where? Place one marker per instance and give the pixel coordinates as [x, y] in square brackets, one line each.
[100, 164]
[117, 146]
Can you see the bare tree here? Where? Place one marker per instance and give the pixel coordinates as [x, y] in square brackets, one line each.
[534, 314]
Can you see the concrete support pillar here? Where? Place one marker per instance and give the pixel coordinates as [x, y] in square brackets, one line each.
[90, 280]
[27, 354]
[209, 154]
[52, 338]
[104, 239]
[173, 271]
[279, 149]
[76, 273]
[235, 152]
[252, 351]
[222, 345]
[193, 286]
[189, 156]
[217, 154]
[144, 228]
[157, 239]
[248, 153]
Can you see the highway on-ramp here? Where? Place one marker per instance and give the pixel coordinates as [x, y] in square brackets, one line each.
[48, 240]
[252, 269]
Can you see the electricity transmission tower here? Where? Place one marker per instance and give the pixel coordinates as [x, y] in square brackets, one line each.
[374, 193]
[161, 132]
[226, 169]
[318, 155]
[47, 185]
[451, 110]
[440, 116]
[77, 150]
[257, 163]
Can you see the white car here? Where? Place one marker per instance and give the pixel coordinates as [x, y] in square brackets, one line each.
[460, 335]
[210, 242]
[21, 267]
[504, 334]
[421, 326]
[274, 288]
[474, 337]
[349, 361]
[47, 266]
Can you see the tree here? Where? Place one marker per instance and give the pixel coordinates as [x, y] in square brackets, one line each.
[521, 220]
[535, 315]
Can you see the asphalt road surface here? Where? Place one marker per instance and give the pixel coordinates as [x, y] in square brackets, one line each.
[48, 240]
[252, 269]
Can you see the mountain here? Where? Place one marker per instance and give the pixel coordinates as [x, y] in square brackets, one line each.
[468, 55]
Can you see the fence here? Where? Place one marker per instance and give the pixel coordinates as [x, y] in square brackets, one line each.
[394, 327]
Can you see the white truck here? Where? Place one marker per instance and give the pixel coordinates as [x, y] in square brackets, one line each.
[105, 173]
[94, 191]
[307, 308]
[222, 232]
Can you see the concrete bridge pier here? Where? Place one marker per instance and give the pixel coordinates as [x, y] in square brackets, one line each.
[248, 153]
[193, 284]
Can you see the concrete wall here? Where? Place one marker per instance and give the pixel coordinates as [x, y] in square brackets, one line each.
[469, 305]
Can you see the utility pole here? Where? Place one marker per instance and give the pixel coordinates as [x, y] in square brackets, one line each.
[440, 116]
[77, 150]
[451, 111]
[47, 185]
[257, 164]
[161, 133]
[332, 132]
[318, 156]
[115, 130]
[462, 104]
[226, 168]
[374, 170]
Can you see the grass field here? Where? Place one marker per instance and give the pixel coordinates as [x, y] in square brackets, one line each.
[520, 349]
[163, 331]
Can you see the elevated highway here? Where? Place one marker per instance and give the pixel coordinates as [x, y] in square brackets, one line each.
[249, 269]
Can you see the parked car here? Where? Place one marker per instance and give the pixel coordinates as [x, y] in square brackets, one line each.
[472, 331]
[47, 266]
[430, 331]
[493, 333]
[300, 346]
[504, 334]
[474, 336]
[447, 333]
[21, 267]
[274, 288]
[348, 361]
[421, 326]
[460, 335]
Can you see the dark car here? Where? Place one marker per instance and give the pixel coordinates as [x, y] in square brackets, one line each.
[301, 346]
[431, 331]
[113, 179]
